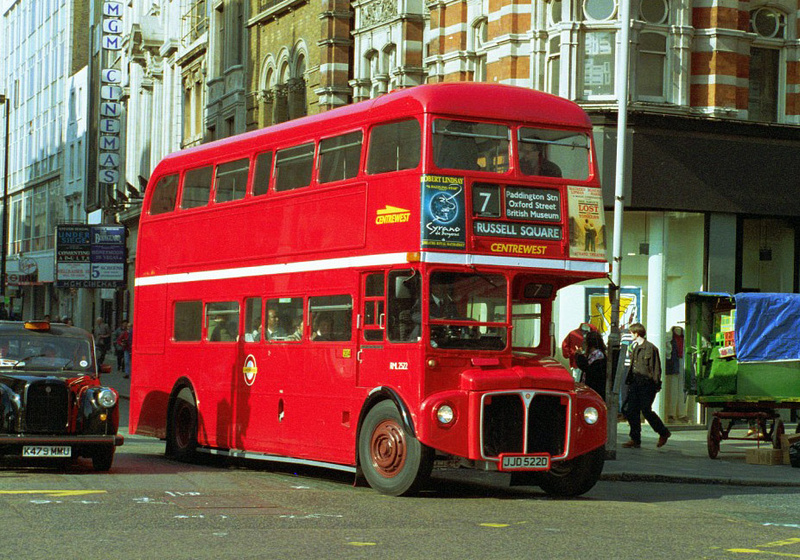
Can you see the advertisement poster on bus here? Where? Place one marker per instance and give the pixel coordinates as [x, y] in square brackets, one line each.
[90, 256]
[587, 227]
[444, 224]
[598, 308]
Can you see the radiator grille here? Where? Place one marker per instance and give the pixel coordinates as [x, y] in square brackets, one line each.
[505, 417]
[46, 406]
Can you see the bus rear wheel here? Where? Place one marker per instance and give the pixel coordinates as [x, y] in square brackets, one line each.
[182, 427]
[393, 461]
[576, 476]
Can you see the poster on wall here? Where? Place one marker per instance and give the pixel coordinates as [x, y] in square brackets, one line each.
[90, 256]
[587, 225]
[598, 308]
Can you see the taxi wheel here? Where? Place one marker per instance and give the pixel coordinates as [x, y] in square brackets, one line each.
[102, 458]
[576, 476]
[182, 427]
[393, 462]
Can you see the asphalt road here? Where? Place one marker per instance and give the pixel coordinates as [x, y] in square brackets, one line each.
[149, 507]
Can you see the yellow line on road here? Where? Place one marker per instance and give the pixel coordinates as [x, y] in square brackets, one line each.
[55, 493]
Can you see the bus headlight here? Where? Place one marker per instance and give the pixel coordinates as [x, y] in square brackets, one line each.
[106, 398]
[590, 415]
[445, 414]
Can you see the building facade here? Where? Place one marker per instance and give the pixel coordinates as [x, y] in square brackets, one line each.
[44, 49]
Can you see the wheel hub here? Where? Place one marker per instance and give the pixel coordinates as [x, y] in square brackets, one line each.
[388, 448]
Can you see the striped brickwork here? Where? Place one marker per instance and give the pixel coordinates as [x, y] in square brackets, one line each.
[335, 44]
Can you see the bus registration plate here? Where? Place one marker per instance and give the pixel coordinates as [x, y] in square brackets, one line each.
[47, 451]
[525, 462]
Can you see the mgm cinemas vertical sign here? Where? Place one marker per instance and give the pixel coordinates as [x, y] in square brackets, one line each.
[110, 117]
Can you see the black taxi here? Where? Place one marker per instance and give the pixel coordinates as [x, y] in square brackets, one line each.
[52, 404]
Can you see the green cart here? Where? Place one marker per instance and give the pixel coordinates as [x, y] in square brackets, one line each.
[743, 361]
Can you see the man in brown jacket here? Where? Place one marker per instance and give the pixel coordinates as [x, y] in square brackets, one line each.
[644, 380]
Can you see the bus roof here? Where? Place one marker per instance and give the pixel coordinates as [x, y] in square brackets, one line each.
[463, 99]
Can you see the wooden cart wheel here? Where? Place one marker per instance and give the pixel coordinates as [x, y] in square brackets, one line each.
[714, 437]
[777, 431]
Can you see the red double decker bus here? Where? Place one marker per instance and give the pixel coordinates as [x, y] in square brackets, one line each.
[370, 290]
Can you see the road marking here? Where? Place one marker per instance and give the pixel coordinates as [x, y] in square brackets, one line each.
[756, 551]
[55, 493]
[494, 525]
[356, 543]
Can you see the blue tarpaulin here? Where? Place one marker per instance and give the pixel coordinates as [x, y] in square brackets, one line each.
[767, 327]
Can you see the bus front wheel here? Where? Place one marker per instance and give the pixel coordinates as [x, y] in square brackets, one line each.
[182, 427]
[393, 461]
[576, 476]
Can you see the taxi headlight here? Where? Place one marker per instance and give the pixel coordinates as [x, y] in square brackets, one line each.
[445, 414]
[590, 415]
[106, 398]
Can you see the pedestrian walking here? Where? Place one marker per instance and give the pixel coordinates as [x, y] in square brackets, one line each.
[126, 342]
[644, 381]
[119, 350]
[102, 339]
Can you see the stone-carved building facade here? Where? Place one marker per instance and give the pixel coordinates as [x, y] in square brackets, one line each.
[389, 37]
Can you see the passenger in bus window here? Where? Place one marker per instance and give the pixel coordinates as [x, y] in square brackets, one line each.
[223, 332]
[323, 329]
[458, 150]
[274, 329]
[533, 160]
[442, 305]
[297, 333]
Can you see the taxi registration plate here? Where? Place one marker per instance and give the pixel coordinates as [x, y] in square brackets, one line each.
[524, 462]
[47, 451]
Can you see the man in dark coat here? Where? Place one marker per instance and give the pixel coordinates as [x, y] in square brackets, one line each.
[644, 381]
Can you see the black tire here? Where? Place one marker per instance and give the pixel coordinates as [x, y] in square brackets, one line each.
[103, 458]
[714, 437]
[393, 461]
[182, 427]
[576, 476]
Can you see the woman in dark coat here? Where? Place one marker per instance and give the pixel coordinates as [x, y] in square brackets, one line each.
[592, 362]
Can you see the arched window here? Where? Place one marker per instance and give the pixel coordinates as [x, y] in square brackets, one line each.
[766, 74]
[480, 36]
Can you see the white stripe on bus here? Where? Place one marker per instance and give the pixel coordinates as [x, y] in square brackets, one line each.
[386, 259]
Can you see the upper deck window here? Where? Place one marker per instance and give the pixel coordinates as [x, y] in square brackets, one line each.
[231, 180]
[262, 173]
[394, 146]
[339, 157]
[196, 187]
[165, 195]
[293, 167]
[472, 146]
[554, 153]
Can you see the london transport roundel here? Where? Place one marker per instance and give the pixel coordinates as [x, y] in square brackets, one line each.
[250, 369]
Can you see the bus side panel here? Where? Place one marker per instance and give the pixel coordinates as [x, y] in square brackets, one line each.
[149, 392]
[268, 417]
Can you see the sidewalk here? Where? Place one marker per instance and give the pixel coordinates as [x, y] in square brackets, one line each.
[685, 459]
